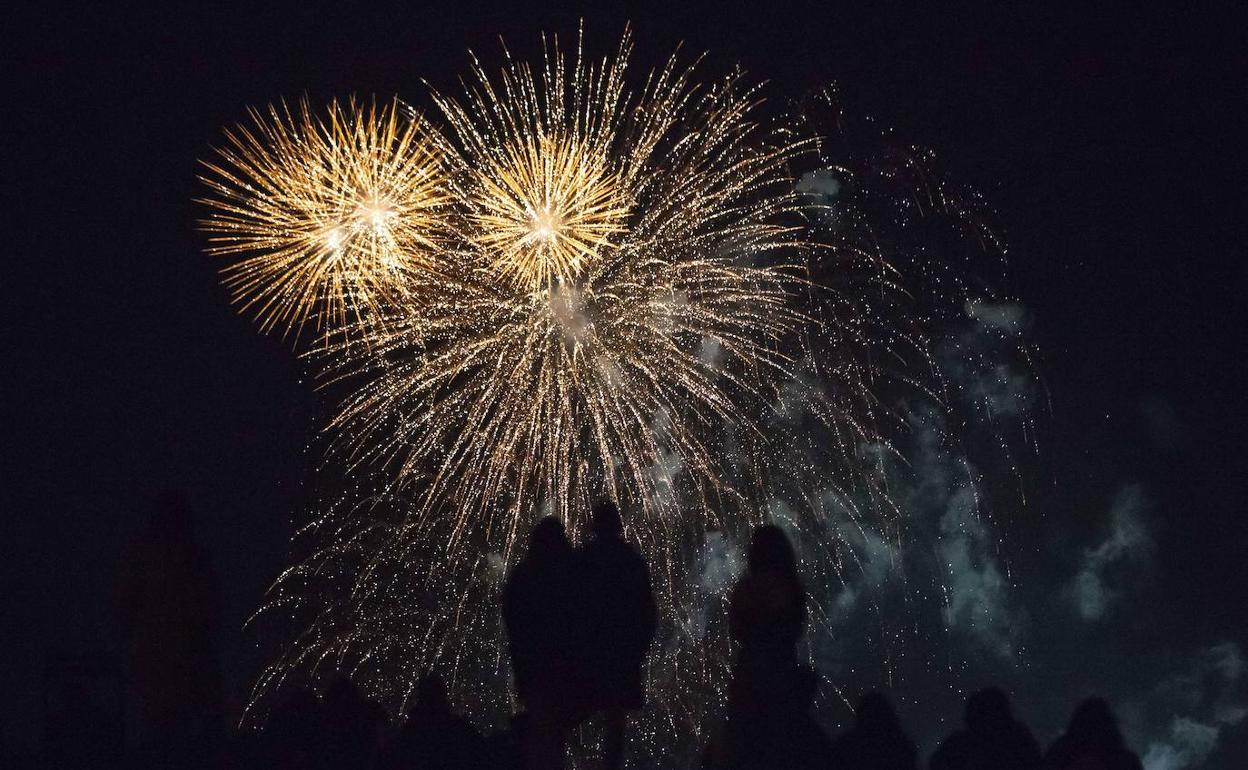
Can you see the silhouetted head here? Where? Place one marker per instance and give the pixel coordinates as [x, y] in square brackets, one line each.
[431, 697]
[606, 519]
[770, 550]
[1094, 723]
[519, 725]
[296, 717]
[988, 710]
[343, 696]
[875, 715]
[548, 540]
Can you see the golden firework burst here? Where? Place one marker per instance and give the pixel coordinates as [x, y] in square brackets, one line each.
[327, 215]
[610, 238]
[612, 311]
[544, 206]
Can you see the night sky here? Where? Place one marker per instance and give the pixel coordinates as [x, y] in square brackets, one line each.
[1109, 142]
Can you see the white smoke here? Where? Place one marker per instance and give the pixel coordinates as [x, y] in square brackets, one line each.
[711, 352]
[978, 594]
[1188, 744]
[982, 360]
[977, 601]
[821, 189]
[721, 563]
[1203, 700]
[1008, 318]
[1128, 540]
[874, 562]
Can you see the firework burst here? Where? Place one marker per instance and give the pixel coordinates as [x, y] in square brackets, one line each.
[611, 238]
[546, 208]
[325, 216]
[615, 288]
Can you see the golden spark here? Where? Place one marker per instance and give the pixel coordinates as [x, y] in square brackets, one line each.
[328, 216]
[546, 207]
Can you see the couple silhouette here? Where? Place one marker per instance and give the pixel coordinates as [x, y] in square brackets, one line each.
[579, 624]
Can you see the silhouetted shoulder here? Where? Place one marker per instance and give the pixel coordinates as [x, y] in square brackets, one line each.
[954, 752]
[1092, 739]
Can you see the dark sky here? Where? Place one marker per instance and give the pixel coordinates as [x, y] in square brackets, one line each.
[1109, 142]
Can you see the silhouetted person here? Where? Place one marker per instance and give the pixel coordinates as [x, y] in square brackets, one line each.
[352, 726]
[505, 750]
[538, 609]
[294, 734]
[434, 737]
[1092, 741]
[876, 740]
[620, 619]
[766, 616]
[169, 603]
[769, 724]
[990, 740]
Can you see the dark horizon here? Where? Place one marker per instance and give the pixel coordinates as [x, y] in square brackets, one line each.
[1107, 142]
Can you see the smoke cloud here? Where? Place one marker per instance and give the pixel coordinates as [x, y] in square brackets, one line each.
[1128, 540]
[1203, 700]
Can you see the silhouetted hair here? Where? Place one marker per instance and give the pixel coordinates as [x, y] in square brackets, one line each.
[770, 549]
[431, 697]
[606, 518]
[876, 712]
[987, 710]
[342, 690]
[548, 539]
[1093, 722]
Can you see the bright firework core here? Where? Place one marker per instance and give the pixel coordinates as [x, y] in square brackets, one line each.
[378, 214]
[546, 225]
[370, 219]
[323, 212]
[546, 207]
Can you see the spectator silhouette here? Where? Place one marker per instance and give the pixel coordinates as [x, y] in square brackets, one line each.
[990, 740]
[293, 735]
[620, 619]
[769, 724]
[876, 741]
[505, 749]
[169, 602]
[1092, 740]
[434, 737]
[766, 615]
[352, 725]
[538, 611]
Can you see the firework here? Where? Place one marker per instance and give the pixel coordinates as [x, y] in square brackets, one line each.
[611, 238]
[632, 297]
[615, 316]
[545, 209]
[324, 216]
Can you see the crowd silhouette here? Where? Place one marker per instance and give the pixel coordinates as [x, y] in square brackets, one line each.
[579, 623]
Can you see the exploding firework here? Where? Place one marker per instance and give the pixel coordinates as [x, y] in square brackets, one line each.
[325, 216]
[611, 239]
[545, 209]
[633, 298]
[616, 316]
